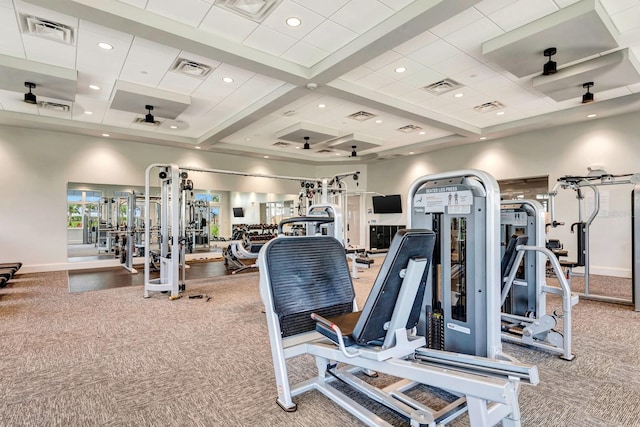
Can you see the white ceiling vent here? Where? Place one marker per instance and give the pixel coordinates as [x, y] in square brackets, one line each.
[443, 86]
[409, 129]
[489, 106]
[191, 68]
[256, 10]
[361, 116]
[54, 106]
[47, 29]
[281, 144]
[141, 121]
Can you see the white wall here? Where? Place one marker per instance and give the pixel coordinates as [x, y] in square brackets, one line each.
[567, 150]
[37, 165]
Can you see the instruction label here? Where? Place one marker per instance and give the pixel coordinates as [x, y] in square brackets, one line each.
[513, 217]
[457, 199]
[459, 328]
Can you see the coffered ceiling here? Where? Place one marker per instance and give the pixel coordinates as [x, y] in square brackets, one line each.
[388, 77]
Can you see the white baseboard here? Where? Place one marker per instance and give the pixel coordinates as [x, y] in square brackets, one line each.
[606, 271]
[42, 268]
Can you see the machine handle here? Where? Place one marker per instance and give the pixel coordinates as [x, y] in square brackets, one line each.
[316, 219]
[336, 329]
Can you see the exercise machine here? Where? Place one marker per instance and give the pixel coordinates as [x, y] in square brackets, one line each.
[310, 310]
[524, 288]
[175, 185]
[595, 179]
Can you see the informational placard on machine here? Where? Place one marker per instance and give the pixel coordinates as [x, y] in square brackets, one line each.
[513, 217]
[453, 199]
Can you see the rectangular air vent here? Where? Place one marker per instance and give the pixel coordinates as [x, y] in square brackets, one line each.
[141, 121]
[281, 144]
[409, 129]
[191, 68]
[361, 116]
[489, 106]
[443, 86]
[46, 29]
[54, 106]
[256, 10]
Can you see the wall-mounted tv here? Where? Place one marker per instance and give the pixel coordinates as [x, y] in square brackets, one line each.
[238, 212]
[387, 204]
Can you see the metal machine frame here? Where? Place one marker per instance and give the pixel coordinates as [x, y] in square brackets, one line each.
[435, 200]
[485, 388]
[525, 319]
[595, 179]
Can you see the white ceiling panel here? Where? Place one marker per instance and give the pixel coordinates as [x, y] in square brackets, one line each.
[188, 12]
[616, 6]
[180, 83]
[468, 37]
[304, 54]
[93, 59]
[355, 74]
[627, 20]
[362, 15]
[374, 81]
[416, 43]
[329, 36]
[456, 23]
[147, 62]
[269, 41]
[397, 4]
[269, 79]
[454, 64]
[48, 52]
[287, 9]
[487, 7]
[433, 53]
[227, 25]
[397, 89]
[325, 8]
[522, 12]
[412, 68]
[137, 3]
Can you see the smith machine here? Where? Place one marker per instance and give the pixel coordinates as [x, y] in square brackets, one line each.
[175, 184]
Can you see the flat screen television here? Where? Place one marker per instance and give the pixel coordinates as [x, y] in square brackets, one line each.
[387, 204]
[238, 212]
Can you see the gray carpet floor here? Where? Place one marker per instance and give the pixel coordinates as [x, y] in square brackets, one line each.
[113, 358]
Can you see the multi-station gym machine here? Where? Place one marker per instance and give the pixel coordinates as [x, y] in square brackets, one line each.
[592, 182]
[174, 220]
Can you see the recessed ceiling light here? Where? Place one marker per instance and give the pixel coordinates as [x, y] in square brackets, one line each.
[197, 147]
[591, 116]
[94, 87]
[173, 127]
[482, 138]
[378, 121]
[321, 105]
[337, 154]
[88, 113]
[411, 152]
[266, 157]
[227, 79]
[247, 139]
[105, 46]
[106, 135]
[297, 148]
[421, 133]
[400, 69]
[458, 95]
[500, 113]
[294, 22]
